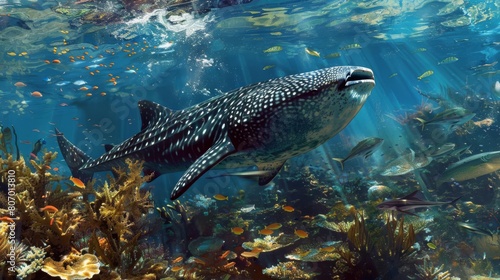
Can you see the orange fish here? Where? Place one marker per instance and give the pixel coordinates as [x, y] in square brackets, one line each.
[237, 230]
[199, 261]
[20, 84]
[328, 249]
[89, 94]
[288, 208]
[36, 94]
[225, 254]
[49, 208]
[6, 219]
[178, 259]
[221, 197]
[103, 94]
[55, 169]
[251, 254]
[84, 88]
[229, 265]
[266, 231]
[77, 182]
[300, 233]
[274, 226]
[176, 268]
[56, 61]
[47, 61]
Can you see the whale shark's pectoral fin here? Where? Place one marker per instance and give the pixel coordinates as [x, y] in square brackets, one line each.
[273, 168]
[219, 151]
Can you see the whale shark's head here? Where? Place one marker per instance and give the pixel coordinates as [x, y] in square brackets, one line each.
[301, 111]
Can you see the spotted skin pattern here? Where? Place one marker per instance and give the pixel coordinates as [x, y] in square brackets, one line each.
[262, 125]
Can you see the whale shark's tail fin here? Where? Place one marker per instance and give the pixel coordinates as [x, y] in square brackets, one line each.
[74, 157]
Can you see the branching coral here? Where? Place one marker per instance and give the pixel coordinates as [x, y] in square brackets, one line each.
[427, 271]
[115, 217]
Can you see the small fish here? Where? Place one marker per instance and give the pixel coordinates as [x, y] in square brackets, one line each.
[252, 174]
[475, 229]
[178, 259]
[56, 61]
[247, 209]
[448, 60]
[266, 231]
[274, 49]
[461, 151]
[274, 226]
[250, 254]
[393, 75]
[62, 83]
[49, 208]
[6, 219]
[364, 148]
[413, 201]
[328, 249]
[288, 208]
[301, 233]
[12, 53]
[441, 150]
[77, 182]
[421, 50]
[229, 265]
[312, 52]
[276, 33]
[333, 55]
[20, 84]
[426, 74]
[131, 71]
[55, 169]
[450, 118]
[79, 82]
[351, 46]
[176, 268]
[225, 254]
[237, 230]
[221, 197]
[84, 88]
[36, 94]
[431, 245]
[267, 67]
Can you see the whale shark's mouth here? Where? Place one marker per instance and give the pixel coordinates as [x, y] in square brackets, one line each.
[359, 76]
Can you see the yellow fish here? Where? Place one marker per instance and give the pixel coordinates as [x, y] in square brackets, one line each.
[312, 52]
[221, 197]
[448, 60]
[274, 49]
[431, 245]
[276, 33]
[11, 53]
[425, 74]
[267, 67]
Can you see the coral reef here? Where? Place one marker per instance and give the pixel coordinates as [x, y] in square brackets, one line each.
[290, 270]
[271, 243]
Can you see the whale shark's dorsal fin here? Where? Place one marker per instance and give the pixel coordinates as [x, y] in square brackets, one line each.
[152, 113]
[219, 151]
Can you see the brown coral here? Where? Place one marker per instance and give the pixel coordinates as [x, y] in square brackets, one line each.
[72, 267]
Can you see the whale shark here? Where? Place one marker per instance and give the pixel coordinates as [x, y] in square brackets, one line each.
[262, 125]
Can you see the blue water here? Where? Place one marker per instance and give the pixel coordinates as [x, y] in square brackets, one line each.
[141, 54]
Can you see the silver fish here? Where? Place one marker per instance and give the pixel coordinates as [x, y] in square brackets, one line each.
[471, 167]
[450, 118]
[474, 229]
[364, 148]
[413, 201]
